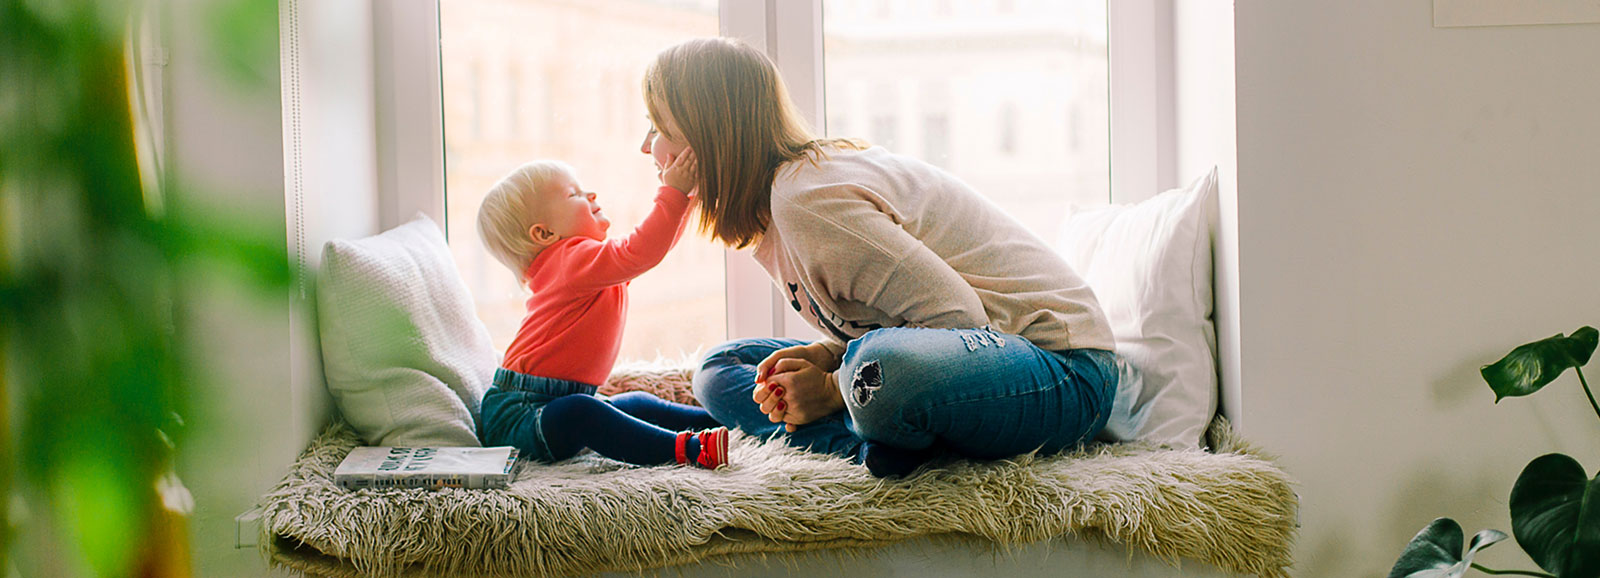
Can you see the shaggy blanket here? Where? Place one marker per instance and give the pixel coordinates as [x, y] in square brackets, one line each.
[1230, 507]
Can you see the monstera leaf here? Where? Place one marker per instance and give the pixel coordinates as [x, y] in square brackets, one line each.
[1436, 551]
[1555, 515]
[1532, 366]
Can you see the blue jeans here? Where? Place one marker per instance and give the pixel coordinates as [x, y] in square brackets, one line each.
[551, 420]
[972, 392]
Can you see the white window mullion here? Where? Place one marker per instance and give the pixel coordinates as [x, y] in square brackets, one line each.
[798, 52]
[791, 33]
[795, 44]
[752, 299]
[410, 119]
[1143, 114]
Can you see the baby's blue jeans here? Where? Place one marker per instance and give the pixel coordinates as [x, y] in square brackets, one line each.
[973, 392]
[550, 420]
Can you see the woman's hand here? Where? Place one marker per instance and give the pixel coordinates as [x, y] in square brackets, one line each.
[795, 385]
[816, 353]
[797, 393]
[683, 174]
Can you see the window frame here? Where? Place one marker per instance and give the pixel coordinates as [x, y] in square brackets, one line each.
[410, 123]
[410, 111]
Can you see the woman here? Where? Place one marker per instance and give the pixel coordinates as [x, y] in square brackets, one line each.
[947, 327]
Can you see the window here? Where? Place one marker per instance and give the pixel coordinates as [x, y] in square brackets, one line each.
[1074, 128]
[990, 79]
[934, 97]
[953, 68]
[474, 100]
[570, 72]
[936, 139]
[1007, 125]
[884, 128]
[513, 102]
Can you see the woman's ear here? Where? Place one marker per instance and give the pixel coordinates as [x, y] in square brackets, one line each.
[542, 235]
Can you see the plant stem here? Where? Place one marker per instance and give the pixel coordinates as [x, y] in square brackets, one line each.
[1475, 566]
[6, 465]
[1586, 391]
[5, 438]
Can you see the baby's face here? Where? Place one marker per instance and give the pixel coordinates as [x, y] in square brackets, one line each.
[569, 211]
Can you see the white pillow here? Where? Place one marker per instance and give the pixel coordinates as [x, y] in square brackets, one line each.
[1150, 266]
[405, 356]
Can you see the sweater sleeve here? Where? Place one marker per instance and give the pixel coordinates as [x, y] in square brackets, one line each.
[834, 345]
[594, 265]
[855, 250]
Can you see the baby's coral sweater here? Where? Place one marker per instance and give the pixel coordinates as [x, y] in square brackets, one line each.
[573, 329]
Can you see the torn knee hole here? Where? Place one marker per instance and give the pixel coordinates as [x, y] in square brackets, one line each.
[981, 338]
[866, 381]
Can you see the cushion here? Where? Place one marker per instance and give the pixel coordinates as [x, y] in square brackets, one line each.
[667, 379]
[405, 356]
[1150, 266]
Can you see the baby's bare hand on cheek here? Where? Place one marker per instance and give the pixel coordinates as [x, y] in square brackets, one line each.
[683, 174]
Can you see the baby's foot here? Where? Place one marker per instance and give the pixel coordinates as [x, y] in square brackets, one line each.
[713, 448]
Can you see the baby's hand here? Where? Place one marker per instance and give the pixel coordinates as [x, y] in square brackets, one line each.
[683, 174]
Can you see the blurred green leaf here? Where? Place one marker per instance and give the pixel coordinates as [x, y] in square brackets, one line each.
[248, 246]
[1555, 515]
[94, 352]
[244, 34]
[1532, 366]
[103, 508]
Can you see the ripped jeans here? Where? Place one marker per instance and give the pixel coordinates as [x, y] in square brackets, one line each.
[972, 392]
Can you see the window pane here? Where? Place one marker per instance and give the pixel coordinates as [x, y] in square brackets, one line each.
[1010, 96]
[533, 79]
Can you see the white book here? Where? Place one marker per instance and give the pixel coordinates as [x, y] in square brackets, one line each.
[433, 468]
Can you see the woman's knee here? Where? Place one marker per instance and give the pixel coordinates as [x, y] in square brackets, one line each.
[722, 354]
[877, 379]
[879, 358]
[710, 382]
[717, 388]
[730, 367]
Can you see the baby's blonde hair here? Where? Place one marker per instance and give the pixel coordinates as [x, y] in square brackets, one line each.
[506, 214]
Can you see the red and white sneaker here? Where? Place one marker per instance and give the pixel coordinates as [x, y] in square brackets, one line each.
[713, 448]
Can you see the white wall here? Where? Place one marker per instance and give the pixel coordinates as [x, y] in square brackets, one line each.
[297, 154]
[225, 151]
[1203, 77]
[1387, 173]
[1412, 203]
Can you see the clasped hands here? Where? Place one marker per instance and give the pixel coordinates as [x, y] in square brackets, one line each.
[795, 385]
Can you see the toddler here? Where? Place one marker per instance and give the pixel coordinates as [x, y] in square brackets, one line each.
[552, 234]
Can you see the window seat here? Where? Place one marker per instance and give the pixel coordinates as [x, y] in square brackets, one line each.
[396, 320]
[1230, 507]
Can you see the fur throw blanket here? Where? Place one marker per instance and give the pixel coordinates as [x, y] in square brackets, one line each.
[1230, 507]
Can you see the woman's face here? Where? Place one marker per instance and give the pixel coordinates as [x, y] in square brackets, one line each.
[658, 146]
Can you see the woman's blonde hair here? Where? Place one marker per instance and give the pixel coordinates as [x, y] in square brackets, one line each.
[728, 103]
[507, 213]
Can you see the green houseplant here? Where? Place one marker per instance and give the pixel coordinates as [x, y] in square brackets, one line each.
[97, 370]
[1555, 505]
